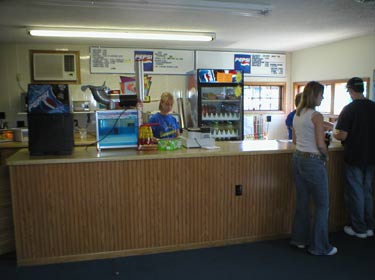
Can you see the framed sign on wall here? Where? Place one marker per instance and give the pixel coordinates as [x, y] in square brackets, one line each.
[121, 60]
[252, 64]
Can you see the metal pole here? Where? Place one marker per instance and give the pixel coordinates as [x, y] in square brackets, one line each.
[139, 79]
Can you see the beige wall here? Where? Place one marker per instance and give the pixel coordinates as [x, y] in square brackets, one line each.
[8, 84]
[15, 62]
[341, 60]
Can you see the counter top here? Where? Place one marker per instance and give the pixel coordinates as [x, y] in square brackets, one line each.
[77, 142]
[13, 145]
[90, 153]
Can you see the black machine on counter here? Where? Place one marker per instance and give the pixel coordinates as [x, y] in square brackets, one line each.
[50, 122]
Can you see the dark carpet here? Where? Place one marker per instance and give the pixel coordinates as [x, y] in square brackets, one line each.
[259, 260]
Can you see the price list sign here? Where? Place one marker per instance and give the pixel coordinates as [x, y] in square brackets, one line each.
[121, 60]
[111, 60]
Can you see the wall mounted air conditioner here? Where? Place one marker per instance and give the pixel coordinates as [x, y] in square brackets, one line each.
[55, 66]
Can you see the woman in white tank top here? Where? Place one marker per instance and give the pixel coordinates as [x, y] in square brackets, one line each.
[310, 174]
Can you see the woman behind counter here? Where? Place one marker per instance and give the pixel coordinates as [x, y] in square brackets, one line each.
[167, 125]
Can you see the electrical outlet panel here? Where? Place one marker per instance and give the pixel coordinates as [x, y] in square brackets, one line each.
[238, 190]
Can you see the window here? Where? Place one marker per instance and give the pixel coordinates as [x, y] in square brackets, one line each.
[335, 95]
[342, 97]
[263, 96]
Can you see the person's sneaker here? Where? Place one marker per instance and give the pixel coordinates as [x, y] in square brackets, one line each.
[332, 252]
[349, 231]
[370, 233]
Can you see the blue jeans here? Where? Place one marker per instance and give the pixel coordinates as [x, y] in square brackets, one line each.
[311, 180]
[359, 197]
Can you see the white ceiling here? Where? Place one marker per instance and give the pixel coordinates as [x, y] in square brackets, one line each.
[291, 25]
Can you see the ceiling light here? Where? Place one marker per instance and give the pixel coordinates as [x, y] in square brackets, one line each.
[364, 1]
[234, 7]
[123, 34]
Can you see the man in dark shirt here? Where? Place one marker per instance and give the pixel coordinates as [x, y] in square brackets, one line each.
[356, 130]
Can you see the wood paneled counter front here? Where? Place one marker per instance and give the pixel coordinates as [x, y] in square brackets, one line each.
[116, 203]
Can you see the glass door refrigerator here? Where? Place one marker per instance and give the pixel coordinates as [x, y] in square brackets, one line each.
[220, 102]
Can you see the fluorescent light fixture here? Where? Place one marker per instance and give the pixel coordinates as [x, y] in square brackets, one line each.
[365, 1]
[235, 7]
[123, 34]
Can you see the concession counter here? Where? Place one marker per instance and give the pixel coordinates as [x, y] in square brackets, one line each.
[122, 202]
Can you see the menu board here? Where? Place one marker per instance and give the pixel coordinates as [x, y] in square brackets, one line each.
[267, 65]
[159, 61]
[252, 64]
